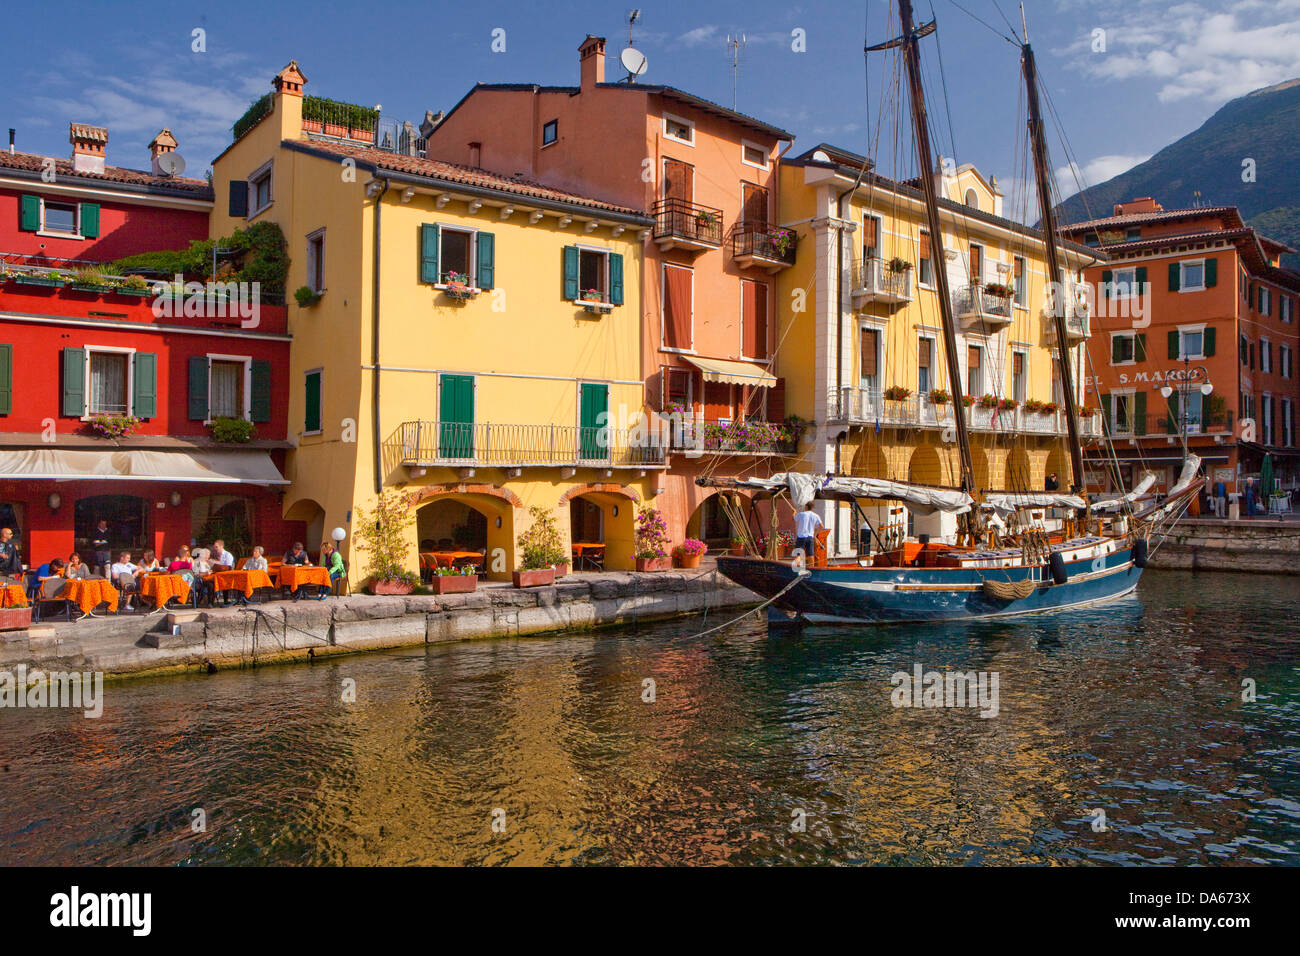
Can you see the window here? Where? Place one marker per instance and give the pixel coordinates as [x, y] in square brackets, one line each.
[869, 360]
[975, 371]
[61, 218]
[870, 237]
[1019, 378]
[1265, 301]
[107, 392]
[1192, 278]
[1123, 409]
[227, 394]
[593, 275]
[1288, 423]
[681, 130]
[753, 319]
[678, 388]
[1284, 360]
[678, 308]
[976, 264]
[259, 190]
[1123, 348]
[550, 132]
[1133, 232]
[1191, 343]
[972, 199]
[1245, 350]
[1091, 239]
[1265, 355]
[753, 154]
[924, 365]
[1268, 418]
[455, 256]
[1187, 404]
[1123, 282]
[312, 410]
[1288, 308]
[1021, 281]
[927, 262]
[316, 261]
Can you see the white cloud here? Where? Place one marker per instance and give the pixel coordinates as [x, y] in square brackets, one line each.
[1070, 179]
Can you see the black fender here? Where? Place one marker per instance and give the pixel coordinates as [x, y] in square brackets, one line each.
[1057, 565]
[1140, 547]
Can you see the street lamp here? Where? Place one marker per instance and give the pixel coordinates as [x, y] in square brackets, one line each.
[1186, 378]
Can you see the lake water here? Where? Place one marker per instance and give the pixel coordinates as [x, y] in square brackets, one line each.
[546, 750]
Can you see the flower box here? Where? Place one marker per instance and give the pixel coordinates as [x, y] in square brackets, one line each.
[599, 308]
[539, 577]
[454, 583]
[390, 587]
[311, 125]
[335, 129]
[561, 568]
[654, 564]
[91, 287]
[361, 135]
[135, 293]
[15, 618]
[25, 279]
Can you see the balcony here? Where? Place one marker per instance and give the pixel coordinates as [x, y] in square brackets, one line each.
[760, 246]
[1217, 424]
[868, 406]
[1077, 327]
[875, 282]
[434, 444]
[749, 437]
[686, 225]
[977, 309]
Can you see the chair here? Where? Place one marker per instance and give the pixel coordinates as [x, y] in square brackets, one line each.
[51, 592]
[341, 586]
[127, 584]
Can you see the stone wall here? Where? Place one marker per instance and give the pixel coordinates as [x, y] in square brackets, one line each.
[1217, 544]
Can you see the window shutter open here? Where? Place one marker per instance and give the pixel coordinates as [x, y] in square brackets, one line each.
[238, 206]
[311, 414]
[869, 352]
[259, 404]
[925, 245]
[1105, 410]
[1141, 278]
[1172, 420]
[198, 391]
[90, 220]
[1140, 347]
[1173, 343]
[145, 388]
[6, 379]
[428, 252]
[1116, 350]
[615, 279]
[486, 262]
[776, 401]
[74, 382]
[1208, 339]
[31, 214]
[923, 356]
[1140, 413]
[1211, 273]
[570, 274]
[1175, 276]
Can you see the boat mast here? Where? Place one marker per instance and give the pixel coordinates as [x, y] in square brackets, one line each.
[1039, 145]
[920, 124]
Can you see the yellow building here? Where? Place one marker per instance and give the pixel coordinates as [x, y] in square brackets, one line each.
[860, 330]
[470, 338]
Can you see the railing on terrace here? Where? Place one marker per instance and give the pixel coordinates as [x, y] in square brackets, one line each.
[750, 437]
[874, 281]
[974, 303]
[771, 244]
[87, 276]
[677, 219]
[868, 406]
[1166, 425]
[458, 444]
[397, 136]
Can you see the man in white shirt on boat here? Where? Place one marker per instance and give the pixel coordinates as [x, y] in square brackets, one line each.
[806, 525]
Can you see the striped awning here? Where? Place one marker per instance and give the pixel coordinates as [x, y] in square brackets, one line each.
[138, 464]
[732, 373]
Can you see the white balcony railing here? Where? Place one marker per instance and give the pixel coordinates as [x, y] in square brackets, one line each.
[869, 406]
[874, 281]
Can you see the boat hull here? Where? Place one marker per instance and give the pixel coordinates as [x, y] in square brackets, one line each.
[893, 595]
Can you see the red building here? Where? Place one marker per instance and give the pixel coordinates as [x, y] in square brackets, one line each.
[77, 347]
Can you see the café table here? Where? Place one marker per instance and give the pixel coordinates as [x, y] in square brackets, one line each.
[13, 595]
[447, 559]
[245, 581]
[161, 588]
[295, 576]
[589, 554]
[90, 593]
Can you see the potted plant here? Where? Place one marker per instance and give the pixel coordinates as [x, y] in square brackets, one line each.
[988, 401]
[784, 544]
[1049, 408]
[781, 240]
[233, 431]
[897, 393]
[592, 300]
[897, 264]
[457, 286]
[651, 540]
[1033, 405]
[542, 549]
[51, 278]
[939, 397]
[967, 401]
[114, 426]
[306, 296]
[381, 533]
[136, 285]
[459, 580]
[90, 279]
[705, 218]
[737, 547]
[998, 290]
[1008, 404]
[688, 553]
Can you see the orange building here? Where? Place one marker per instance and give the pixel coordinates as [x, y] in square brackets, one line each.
[1194, 333]
[707, 174]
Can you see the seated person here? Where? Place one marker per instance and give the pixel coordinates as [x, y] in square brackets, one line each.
[222, 560]
[75, 570]
[331, 558]
[123, 574]
[201, 566]
[182, 561]
[148, 564]
[257, 562]
[297, 556]
[10, 562]
[52, 568]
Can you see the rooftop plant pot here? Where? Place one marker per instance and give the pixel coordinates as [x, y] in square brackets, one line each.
[135, 293]
[390, 587]
[454, 583]
[40, 280]
[537, 578]
[654, 564]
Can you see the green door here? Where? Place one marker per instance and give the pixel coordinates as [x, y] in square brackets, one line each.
[456, 431]
[593, 403]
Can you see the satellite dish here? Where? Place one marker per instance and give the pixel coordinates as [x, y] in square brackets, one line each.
[633, 61]
[171, 164]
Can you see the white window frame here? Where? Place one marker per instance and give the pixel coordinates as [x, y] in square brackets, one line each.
[1284, 359]
[1191, 329]
[319, 371]
[1266, 418]
[472, 266]
[663, 309]
[597, 250]
[689, 124]
[312, 265]
[1266, 300]
[86, 413]
[934, 362]
[55, 234]
[1129, 394]
[264, 171]
[1288, 308]
[933, 265]
[879, 326]
[1024, 272]
[1183, 285]
[1024, 354]
[1130, 287]
[1129, 335]
[984, 263]
[984, 362]
[247, 362]
[1265, 355]
[747, 144]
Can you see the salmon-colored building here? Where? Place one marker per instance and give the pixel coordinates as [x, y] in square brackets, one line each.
[1196, 302]
[707, 174]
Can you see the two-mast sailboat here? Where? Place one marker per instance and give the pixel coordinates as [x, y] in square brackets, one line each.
[999, 564]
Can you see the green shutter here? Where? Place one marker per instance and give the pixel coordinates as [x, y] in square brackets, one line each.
[90, 220]
[615, 279]
[1140, 347]
[570, 273]
[1140, 413]
[1107, 278]
[429, 252]
[1175, 276]
[259, 405]
[6, 379]
[31, 219]
[311, 414]
[1207, 347]
[1172, 422]
[592, 403]
[1211, 273]
[1173, 343]
[1105, 411]
[456, 414]
[1141, 278]
[198, 391]
[487, 261]
[1116, 353]
[74, 382]
[145, 385]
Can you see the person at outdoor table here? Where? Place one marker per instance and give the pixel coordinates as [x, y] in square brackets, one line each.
[148, 563]
[100, 545]
[200, 565]
[257, 562]
[52, 568]
[74, 569]
[332, 560]
[10, 563]
[182, 561]
[123, 566]
[297, 556]
[222, 560]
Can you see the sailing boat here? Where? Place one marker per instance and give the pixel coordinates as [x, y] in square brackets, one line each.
[1000, 564]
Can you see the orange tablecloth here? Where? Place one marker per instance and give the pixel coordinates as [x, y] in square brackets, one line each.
[293, 576]
[446, 559]
[163, 587]
[246, 581]
[13, 595]
[89, 595]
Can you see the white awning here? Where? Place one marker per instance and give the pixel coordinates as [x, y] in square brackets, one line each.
[137, 464]
[732, 373]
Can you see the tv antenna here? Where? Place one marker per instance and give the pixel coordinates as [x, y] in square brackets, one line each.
[735, 44]
[633, 60]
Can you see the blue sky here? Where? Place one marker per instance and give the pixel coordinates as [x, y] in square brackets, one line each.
[1166, 68]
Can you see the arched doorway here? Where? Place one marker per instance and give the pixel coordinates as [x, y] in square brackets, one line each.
[925, 467]
[604, 514]
[869, 461]
[979, 459]
[468, 521]
[709, 523]
[312, 515]
[1058, 462]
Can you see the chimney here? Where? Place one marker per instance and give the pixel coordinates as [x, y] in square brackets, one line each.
[431, 121]
[1143, 204]
[12, 133]
[476, 155]
[289, 80]
[161, 144]
[88, 145]
[591, 59]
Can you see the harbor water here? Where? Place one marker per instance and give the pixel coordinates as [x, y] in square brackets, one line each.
[1121, 736]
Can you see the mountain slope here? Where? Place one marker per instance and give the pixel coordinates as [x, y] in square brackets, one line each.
[1263, 126]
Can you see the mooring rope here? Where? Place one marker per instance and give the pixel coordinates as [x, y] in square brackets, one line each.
[802, 574]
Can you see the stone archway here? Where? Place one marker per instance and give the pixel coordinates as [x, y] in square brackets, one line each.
[495, 505]
[1019, 470]
[614, 508]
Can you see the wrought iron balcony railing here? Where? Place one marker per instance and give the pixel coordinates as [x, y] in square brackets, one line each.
[687, 224]
[459, 444]
[874, 281]
[760, 244]
[973, 306]
[869, 406]
[749, 437]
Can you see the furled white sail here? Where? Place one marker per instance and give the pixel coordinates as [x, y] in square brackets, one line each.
[1007, 503]
[1113, 504]
[922, 500]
